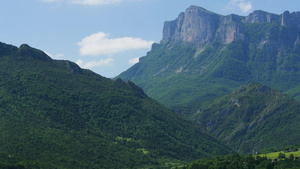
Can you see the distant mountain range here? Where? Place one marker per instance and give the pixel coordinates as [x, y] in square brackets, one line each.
[204, 55]
[56, 115]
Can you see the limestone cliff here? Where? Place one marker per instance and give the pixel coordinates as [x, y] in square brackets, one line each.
[260, 16]
[200, 49]
[290, 19]
[230, 29]
[197, 25]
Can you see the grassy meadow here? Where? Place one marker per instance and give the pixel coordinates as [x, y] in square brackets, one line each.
[274, 155]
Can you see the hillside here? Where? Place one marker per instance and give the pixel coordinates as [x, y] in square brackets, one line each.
[204, 55]
[57, 115]
[250, 119]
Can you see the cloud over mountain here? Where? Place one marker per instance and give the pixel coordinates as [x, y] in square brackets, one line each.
[95, 63]
[133, 61]
[92, 2]
[96, 2]
[101, 44]
[242, 5]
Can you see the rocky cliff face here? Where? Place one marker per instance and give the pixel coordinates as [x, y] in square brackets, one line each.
[230, 29]
[290, 19]
[262, 47]
[197, 25]
[261, 17]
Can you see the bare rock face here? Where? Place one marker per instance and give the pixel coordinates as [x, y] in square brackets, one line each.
[198, 25]
[172, 29]
[290, 19]
[286, 19]
[260, 16]
[230, 29]
[195, 25]
[297, 18]
[297, 44]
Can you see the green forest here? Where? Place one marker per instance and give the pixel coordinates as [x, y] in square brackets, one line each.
[57, 115]
[250, 119]
[182, 73]
[184, 105]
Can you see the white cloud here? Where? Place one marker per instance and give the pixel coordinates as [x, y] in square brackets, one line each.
[100, 44]
[96, 2]
[92, 2]
[56, 56]
[96, 63]
[50, 0]
[133, 61]
[240, 4]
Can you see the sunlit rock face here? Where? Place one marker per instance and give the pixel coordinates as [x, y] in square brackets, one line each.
[197, 25]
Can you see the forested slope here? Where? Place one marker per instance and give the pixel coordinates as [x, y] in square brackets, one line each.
[63, 116]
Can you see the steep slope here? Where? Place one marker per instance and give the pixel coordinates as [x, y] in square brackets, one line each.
[203, 55]
[250, 119]
[62, 116]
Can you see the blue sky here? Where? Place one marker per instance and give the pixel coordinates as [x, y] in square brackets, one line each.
[107, 36]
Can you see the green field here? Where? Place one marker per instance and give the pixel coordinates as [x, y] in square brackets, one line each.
[274, 155]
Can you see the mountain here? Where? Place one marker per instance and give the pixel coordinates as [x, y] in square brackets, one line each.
[251, 119]
[56, 115]
[203, 55]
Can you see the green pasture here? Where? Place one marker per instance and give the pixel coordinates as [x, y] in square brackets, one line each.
[274, 155]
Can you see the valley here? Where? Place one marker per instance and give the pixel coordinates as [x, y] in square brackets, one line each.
[215, 91]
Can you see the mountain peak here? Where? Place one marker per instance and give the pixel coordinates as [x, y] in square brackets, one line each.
[290, 19]
[27, 51]
[260, 16]
[24, 46]
[193, 7]
[198, 25]
[6, 49]
[254, 88]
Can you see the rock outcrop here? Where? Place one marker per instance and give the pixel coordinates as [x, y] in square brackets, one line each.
[197, 25]
[297, 44]
[200, 48]
[230, 29]
[286, 18]
[260, 16]
[27, 51]
[290, 19]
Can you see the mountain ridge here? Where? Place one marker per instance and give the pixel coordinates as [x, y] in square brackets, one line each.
[57, 115]
[198, 25]
[250, 119]
[232, 52]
